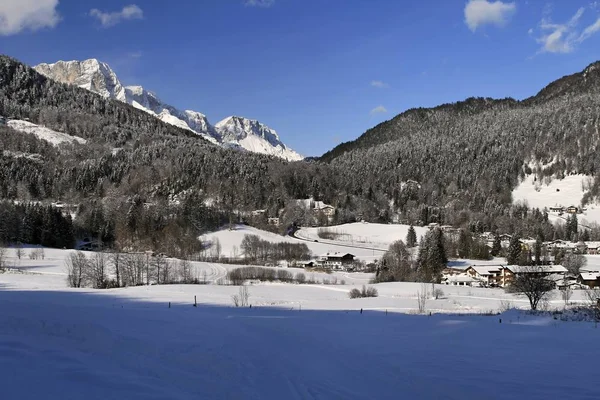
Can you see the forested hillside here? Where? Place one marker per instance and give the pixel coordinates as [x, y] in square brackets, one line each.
[470, 155]
[138, 179]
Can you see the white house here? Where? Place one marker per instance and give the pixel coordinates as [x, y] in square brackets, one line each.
[337, 261]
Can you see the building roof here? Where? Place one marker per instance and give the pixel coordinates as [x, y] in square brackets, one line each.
[336, 255]
[486, 269]
[589, 276]
[548, 269]
[461, 278]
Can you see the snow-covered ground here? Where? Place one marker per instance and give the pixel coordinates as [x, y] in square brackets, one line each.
[558, 192]
[296, 342]
[231, 241]
[44, 133]
[363, 234]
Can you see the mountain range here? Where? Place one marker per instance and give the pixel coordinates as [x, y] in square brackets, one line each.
[455, 164]
[232, 132]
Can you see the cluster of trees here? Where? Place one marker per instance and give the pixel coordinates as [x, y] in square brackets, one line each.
[467, 246]
[238, 276]
[106, 270]
[399, 264]
[35, 224]
[256, 249]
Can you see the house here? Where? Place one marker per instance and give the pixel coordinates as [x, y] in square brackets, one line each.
[488, 275]
[554, 272]
[3, 120]
[256, 213]
[326, 209]
[338, 261]
[273, 221]
[557, 209]
[592, 247]
[461, 280]
[591, 279]
[572, 210]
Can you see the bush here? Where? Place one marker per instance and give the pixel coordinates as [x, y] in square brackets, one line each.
[365, 292]
[300, 278]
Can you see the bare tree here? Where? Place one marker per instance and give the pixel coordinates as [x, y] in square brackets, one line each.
[77, 267]
[533, 283]
[566, 294]
[2, 257]
[422, 296]
[242, 298]
[96, 273]
[185, 271]
[116, 259]
[19, 252]
[574, 263]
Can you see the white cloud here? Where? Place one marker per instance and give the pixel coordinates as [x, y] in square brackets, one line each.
[564, 38]
[484, 12]
[259, 3]
[589, 31]
[378, 110]
[108, 19]
[379, 84]
[19, 15]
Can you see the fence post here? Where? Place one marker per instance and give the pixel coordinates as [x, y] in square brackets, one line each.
[195, 304]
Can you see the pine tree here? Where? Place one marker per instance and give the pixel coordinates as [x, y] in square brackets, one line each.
[464, 244]
[538, 251]
[514, 250]
[411, 237]
[497, 246]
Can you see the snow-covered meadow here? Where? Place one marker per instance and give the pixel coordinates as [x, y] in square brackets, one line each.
[297, 341]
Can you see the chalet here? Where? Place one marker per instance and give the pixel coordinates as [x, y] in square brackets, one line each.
[461, 280]
[557, 209]
[572, 210]
[554, 272]
[273, 221]
[327, 210]
[592, 248]
[338, 261]
[591, 279]
[257, 213]
[488, 275]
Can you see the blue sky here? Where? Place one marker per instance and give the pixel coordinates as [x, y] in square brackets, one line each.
[318, 71]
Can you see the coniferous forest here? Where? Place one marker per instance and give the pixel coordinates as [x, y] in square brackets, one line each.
[138, 180]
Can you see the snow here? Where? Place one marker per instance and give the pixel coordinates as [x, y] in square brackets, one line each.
[559, 192]
[98, 77]
[364, 234]
[231, 241]
[296, 342]
[254, 136]
[44, 133]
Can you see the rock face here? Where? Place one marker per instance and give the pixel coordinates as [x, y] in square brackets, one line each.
[92, 75]
[233, 132]
[253, 136]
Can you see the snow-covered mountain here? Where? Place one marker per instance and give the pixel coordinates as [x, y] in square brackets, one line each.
[253, 136]
[233, 132]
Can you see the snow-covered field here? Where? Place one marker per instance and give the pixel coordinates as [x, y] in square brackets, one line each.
[558, 192]
[296, 342]
[44, 133]
[363, 234]
[231, 241]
